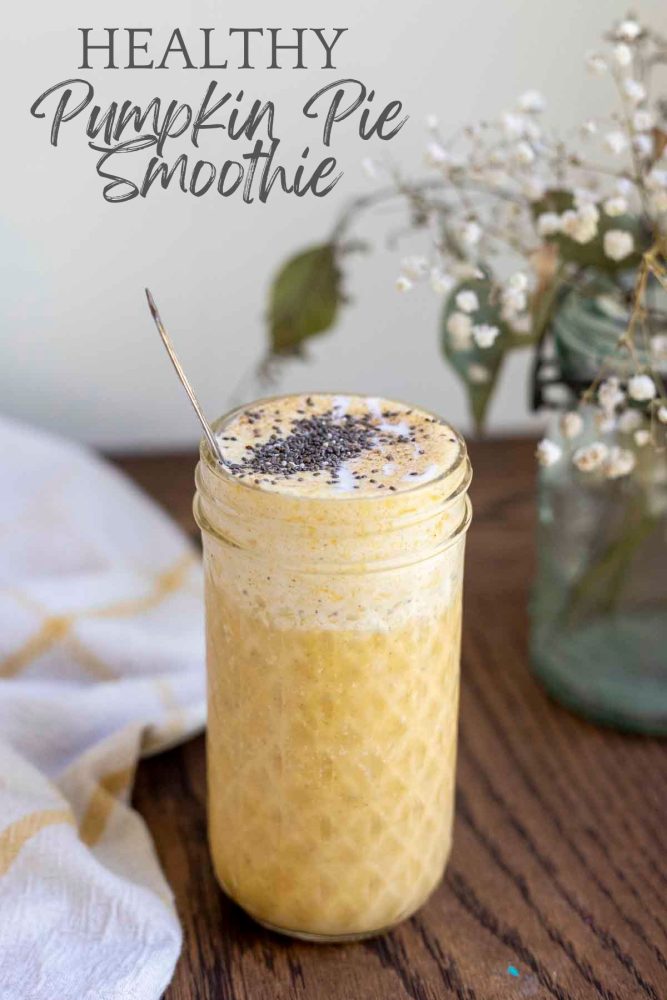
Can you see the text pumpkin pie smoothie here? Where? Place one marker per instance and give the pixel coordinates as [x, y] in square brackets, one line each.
[333, 542]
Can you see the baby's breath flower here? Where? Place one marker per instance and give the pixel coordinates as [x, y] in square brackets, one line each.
[571, 425]
[619, 462]
[524, 154]
[618, 244]
[518, 281]
[534, 188]
[634, 90]
[591, 456]
[642, 437]
[471, 234]
[478, 374]
[514, 300]
[467, 301]
[513, 125]
[414, 267]
[404, 284]
[548, 452]
[615, 206]
[596, 64]
[579, 226]
[485, 335]
[622, 54]
[548, 223]
[629, 421]
[441, 282]
[459, 327]
[643, 120]
[436, 155]
[641, 388]
[531, 102]
[643, 144]
[662, 414]
[629, 29]
[656, 179]
[610, 395]
[589, 127]
[624, 186]
[616, 142]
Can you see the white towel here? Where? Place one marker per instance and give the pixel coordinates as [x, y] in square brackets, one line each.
[101, 661]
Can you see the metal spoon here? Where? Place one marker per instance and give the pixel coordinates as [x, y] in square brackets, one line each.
[210, 436]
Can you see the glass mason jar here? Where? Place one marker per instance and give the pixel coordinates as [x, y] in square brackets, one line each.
[333, 636]
[599, 601]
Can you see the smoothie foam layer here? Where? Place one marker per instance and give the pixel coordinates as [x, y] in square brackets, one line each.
[323, 445]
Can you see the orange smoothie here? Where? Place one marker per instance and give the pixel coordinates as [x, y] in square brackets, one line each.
[333, 539]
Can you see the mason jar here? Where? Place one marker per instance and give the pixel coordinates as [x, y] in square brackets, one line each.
[333, 635]
[599, 600]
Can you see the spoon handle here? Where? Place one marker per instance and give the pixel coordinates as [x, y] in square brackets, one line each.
[210, 436]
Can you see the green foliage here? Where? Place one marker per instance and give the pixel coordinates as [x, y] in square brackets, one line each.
[491, 358]
[591, 254]
[304, 298]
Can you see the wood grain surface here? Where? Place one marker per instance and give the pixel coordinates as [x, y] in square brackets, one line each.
[557, 884]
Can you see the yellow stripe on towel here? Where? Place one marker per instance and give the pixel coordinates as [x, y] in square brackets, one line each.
[13, 838]
[101, 803]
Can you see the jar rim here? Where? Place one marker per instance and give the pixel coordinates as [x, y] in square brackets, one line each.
[206, 455]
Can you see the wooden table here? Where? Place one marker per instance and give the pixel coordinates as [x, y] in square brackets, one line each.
[557, 884]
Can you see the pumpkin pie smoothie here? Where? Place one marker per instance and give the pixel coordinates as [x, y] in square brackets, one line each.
[334, 535]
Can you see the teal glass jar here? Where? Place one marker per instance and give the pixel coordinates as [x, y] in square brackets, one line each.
[599, 601]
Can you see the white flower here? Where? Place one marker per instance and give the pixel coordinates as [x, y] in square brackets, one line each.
[548, 223]
[471, 234]
[467, 301]
[414, 267]
[524, 154]
[403, 283]
[619, 462]
[596, 64]
[616, 142]
[615, 206]
[656, 179]
[518, 281]
[624, 186]
[628, 29]
[643, 120]
[533, 188]
[634, 90]
[478, 374]
[610, 395]
[531, 102]
[618, 244]
[431, 122]
[623, 54]
[436, 155]
[485, 334]
[580, 226]
[662, 414]
[643, 144]
[513, 125]
[629, 421]
[548, 452]
[642, 437]
[641, 388]
[659, 347]
[571, 425]
[459, 327]
[591, 456]
[514, 301]
[441, 282]
[589, 127]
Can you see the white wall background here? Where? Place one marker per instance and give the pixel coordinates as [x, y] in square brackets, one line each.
[78, 352]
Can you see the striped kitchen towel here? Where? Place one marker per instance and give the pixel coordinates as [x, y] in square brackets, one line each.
[101, 661]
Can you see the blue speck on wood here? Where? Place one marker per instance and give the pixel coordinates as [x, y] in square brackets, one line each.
[513, 971]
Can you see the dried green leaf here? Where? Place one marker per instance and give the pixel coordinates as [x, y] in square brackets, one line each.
[304, 298]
